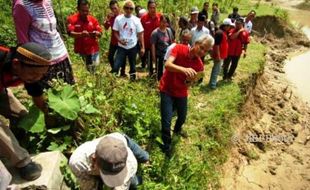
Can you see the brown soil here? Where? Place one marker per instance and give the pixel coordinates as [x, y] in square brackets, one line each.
[271, 144]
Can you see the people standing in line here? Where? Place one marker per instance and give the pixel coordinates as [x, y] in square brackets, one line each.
[237, 45]
[25, 64]
[220, 50]
[193, 17]
[234, 15]
[215, 17]
[205, 9]
[161, 38]
[248, 25]
[108, 23]
[112, 160]
[128, 30]
[150, 22]
[35, 21]
[85, 29]
[181, 66]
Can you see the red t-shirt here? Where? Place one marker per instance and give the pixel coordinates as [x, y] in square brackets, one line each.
[84, 45]
[235, 46]
[221, 40]
[109, 24]
[149, 24]
[173, 83]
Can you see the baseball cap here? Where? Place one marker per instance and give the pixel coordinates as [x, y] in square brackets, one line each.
[194, 10]
[33, 54]
[142, 12]
[201, 17]
[228, 22]
[111, 156]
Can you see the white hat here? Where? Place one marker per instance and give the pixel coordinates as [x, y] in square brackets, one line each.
[142, 12]
[194, 10]
[228, 22]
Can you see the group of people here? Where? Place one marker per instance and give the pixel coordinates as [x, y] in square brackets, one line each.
[179, 62]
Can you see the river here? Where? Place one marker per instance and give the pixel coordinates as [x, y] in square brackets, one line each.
[297, 68]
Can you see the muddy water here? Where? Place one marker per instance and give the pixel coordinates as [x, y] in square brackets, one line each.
[298, 67]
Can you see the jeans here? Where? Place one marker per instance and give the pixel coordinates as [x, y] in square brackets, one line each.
[147, 59]
[91, 61]
[140, 154]
[120, 59]
[159, 67]
[228, 73]
[215, 72]
[112, 52]
[167, 105]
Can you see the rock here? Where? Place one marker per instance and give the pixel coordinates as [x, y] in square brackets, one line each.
[51, 177]
[272, 170]
[281, 104]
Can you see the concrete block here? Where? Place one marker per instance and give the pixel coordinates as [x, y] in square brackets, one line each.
[51, 177]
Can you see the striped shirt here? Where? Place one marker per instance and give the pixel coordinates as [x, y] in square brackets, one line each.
[36, 22]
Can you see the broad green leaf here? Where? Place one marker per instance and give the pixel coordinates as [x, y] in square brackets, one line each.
[89, 109]
[54, 146]
[65, 102]
[34, 121]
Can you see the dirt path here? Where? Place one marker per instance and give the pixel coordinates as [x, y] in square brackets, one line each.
[271, 148]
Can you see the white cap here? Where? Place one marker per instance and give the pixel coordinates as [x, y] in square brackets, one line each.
[227, 21]
[142, 12]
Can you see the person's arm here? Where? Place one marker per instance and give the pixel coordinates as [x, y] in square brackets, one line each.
[79, 34]
[107, 23]
[98, 30]
[22, 21]
[141, 40]
[236, 34]
[170, 66]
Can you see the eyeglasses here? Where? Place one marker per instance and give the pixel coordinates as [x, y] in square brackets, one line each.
[129, 8]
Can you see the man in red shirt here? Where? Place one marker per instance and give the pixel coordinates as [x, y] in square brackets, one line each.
[27, 63]
[182, 67]
[150, 22]
[220, 50]
[108, 23]
[86, 30]
[237, 44]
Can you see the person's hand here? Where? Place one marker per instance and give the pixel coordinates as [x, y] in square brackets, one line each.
[190, 73]
[85, 33]
[142, 51]
[123, 42]
[244, 54]
[110, 15]
[241, 30]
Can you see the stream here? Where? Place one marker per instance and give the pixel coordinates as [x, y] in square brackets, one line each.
[297, 68]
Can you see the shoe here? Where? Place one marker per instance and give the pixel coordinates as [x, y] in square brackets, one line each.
[181, 133]
[167, 150]
[132, 77]
[31, 171]
[123, 75]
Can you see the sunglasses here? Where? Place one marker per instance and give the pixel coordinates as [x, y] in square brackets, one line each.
[129, 8]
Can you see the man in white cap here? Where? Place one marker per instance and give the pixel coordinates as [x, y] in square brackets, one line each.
[112, 158]
[220, 50]
[193, 17]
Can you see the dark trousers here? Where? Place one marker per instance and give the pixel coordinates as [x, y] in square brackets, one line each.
[229, 66]
[146, 59]
[167, 105]
[159, 67]
[120, 59]
[112, 52]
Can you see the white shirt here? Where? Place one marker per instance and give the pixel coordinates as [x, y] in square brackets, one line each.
[196, 34]
[80, 164]
[248, 26]
[128, 28]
